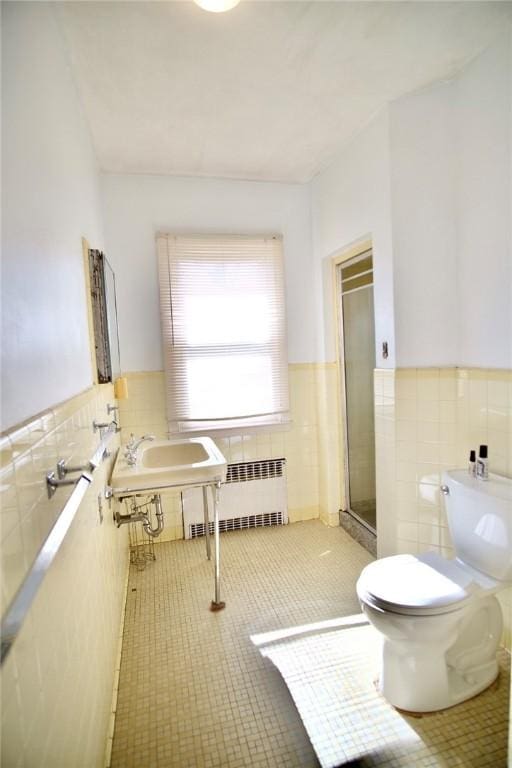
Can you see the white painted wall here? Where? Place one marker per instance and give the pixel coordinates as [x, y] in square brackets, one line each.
[483, 143]
[451, 188]
[137, 207]
[430, 181]
[351, 201]
[424, 227]
[50, 198]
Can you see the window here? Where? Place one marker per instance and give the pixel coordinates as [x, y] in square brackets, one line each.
[223, 327]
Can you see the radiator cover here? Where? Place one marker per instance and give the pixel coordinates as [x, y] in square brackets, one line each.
[253, 495]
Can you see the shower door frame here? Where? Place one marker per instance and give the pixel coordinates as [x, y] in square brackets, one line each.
[353, 255]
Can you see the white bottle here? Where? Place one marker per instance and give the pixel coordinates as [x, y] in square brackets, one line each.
[482, 464]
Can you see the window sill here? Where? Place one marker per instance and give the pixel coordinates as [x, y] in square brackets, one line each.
[260, 429]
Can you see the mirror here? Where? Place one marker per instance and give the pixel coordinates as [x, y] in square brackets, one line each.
[104, 315]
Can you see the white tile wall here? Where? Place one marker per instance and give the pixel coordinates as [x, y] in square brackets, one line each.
[58, 679]
[331, 490]
[427, 420]
[144, 412]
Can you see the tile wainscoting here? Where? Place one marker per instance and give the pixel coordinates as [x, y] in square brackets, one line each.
[310, 443]
[426, 421]
[58, 679]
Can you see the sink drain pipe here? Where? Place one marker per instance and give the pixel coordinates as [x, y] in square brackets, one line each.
[146, 524]
[138, 516]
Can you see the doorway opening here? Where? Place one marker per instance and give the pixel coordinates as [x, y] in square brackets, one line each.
[357, 356]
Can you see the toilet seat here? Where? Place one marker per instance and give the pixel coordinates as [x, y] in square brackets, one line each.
[420, 585]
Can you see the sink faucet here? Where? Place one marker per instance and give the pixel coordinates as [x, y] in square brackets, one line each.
[132, 447]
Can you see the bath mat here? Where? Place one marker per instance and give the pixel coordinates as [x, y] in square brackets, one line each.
[330, 670]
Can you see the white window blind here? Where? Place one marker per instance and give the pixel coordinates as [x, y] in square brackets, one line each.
[223, 327]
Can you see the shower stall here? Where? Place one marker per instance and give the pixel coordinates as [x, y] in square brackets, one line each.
[357, 354]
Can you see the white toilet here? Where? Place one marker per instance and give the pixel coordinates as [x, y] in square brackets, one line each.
[439, 619]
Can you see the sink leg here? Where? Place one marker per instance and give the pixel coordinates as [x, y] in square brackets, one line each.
[206, 522]
[217, 604]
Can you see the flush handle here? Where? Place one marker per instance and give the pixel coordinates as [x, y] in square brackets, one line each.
[445, 490]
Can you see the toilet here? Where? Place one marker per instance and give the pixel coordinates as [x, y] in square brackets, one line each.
[439, 619]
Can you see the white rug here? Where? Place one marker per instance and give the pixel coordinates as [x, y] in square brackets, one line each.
[330, 670]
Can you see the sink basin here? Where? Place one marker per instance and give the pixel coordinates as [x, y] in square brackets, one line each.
[170, 455]
[169, 463]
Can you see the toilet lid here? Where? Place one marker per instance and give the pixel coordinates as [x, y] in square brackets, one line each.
[416, 584]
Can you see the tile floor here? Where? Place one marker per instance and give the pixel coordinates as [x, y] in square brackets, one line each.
[331, 674]
[194, 690]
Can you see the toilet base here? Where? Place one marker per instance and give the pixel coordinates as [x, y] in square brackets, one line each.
[410, 713]
[456, 694]
[430, 663]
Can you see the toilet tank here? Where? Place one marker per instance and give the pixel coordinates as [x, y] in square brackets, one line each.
[480, 521]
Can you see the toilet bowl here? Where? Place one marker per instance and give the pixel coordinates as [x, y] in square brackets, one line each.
[439, 620]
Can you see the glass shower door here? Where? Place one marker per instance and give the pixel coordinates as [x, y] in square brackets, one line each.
[358, 344]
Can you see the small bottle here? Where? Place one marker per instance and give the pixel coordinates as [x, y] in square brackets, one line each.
[482, 465]
[472, 463]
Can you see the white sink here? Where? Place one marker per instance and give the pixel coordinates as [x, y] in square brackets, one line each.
[169, 463]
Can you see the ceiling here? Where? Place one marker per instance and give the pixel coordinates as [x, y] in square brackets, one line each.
[267, 91]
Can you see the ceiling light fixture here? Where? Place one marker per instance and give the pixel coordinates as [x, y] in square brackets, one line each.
[216, 6]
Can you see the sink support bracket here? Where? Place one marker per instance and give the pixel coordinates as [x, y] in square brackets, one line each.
[206, 523]
[217, 604]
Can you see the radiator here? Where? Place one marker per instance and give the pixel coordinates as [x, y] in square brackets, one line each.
[253, 495]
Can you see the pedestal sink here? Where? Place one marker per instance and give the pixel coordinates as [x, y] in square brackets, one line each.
[186, 462]
[169, 464]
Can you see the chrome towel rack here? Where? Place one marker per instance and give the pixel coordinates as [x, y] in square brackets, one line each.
[14, 617]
